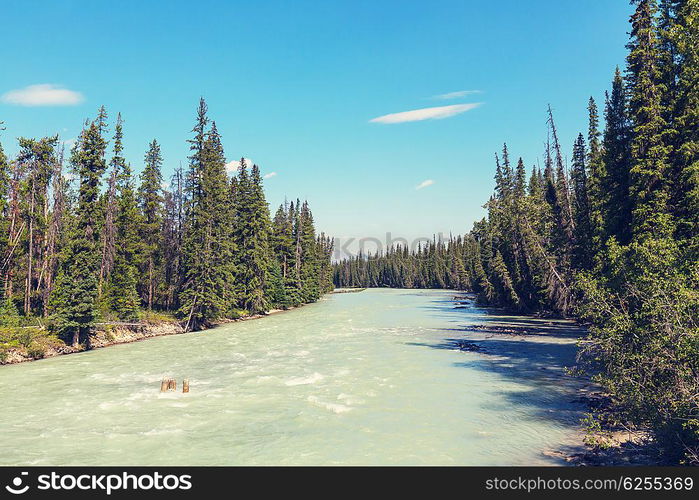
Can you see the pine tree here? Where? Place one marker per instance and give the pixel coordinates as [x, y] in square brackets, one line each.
[171, 242]
[121, 294]
[309, 260]
[283, 246]
[207, 256]
[76, 288]
[596, 175]
[648, 187]
[685, 38]
[252, 238]
[616, 146]
[151, 199]
[581, 208]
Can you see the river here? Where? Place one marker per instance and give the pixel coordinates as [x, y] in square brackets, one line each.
[374, 377]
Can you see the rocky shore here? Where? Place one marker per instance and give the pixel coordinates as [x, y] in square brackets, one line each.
[108, 334]
[103, 336]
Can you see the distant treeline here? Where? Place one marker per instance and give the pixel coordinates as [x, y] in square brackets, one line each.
[612, 238]
[438, 264]
[96, 244]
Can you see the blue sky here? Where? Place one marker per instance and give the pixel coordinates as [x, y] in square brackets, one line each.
[295, 86]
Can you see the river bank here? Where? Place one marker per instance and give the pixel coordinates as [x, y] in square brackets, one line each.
[44, 346]
[541, 342]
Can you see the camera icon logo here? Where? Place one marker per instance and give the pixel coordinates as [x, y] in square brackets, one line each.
[16, 487]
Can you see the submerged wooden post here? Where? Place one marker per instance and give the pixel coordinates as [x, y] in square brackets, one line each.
[168, 384]
[185, 385]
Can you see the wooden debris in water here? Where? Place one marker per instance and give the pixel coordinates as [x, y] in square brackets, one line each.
[168, 384]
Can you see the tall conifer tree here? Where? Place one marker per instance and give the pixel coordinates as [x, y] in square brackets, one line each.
[76, 288]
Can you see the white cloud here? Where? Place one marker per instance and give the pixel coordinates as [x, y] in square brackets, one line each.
[43, 94]
[269, 175]
[233, 166]
[424, 184]
[455, 95]
[415, 115]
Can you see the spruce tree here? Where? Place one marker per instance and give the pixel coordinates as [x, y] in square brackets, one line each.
[308, 255]
[685, 172]
[283, 246]
[595, 179]
[121, 293]
[74, 308]
[581, 206]
[616, 146]
[252, 234]
[151, 199]
[648, 181]
[207, 253]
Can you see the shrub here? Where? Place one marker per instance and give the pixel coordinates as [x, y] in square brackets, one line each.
[24, 337]
[36, 350]
[157, 317]
[644, 342]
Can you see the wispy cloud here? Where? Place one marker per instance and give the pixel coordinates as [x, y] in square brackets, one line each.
[416, 115]
[233, 166]
[43, 94]
[455, 95]
[424, 184]
[269, 175]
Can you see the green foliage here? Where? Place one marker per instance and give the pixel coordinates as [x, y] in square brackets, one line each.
[150, 200]
[205, 248]
[252, 235]
[208, 249]
[597, 436]
[24, 337]
[74, 298]
[121, 294]
[36, 350]
[614, 195]
[9, 314]
[151, 317]
[648, 181]
[644, 338]
[437, 264]
[30, 341]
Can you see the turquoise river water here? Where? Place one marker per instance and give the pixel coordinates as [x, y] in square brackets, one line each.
[375, 377]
